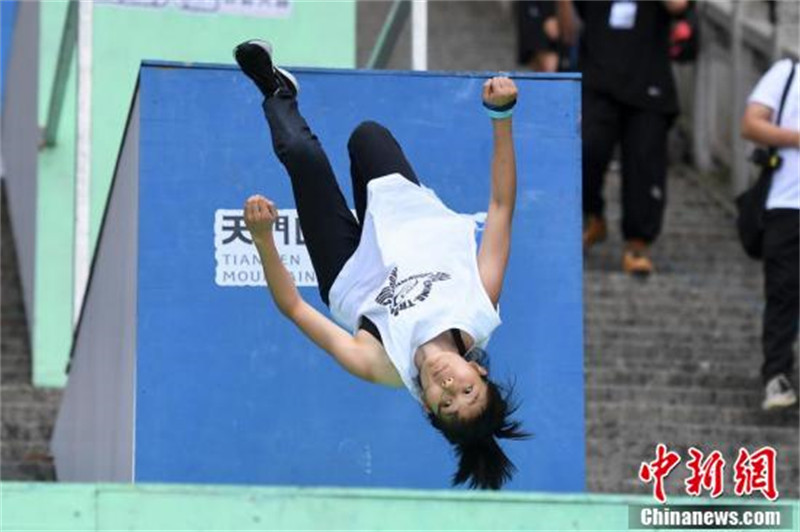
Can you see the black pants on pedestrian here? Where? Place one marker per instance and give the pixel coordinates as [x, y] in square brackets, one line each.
[331, 232]
[642, 134]
[781, 272]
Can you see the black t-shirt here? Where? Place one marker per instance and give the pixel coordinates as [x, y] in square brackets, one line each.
[630, 64]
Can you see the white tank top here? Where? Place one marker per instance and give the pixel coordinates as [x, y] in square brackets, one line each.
[414, 274]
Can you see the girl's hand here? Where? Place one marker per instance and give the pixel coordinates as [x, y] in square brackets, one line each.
[499, 91]
[259, 216]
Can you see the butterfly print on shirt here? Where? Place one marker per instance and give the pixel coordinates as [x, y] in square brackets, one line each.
[402, 295]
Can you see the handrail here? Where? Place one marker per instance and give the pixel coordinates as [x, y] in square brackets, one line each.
[390, 33]
[738, 42]
[756, 34]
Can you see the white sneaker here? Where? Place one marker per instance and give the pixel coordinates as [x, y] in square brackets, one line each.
[778, 393]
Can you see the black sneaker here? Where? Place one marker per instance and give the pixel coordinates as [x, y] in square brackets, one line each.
[255, 59]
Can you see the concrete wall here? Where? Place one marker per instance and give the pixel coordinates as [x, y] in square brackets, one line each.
[314, 34]
[20, 135]
[190, 507]
[93, 438]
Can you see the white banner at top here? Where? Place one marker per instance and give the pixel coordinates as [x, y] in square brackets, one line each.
[253, 8]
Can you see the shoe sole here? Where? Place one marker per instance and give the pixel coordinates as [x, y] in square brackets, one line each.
[776, 404]
[264, 45]
[290, 78]
[267, 47]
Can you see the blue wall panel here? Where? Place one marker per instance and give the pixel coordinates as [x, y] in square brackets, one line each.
[8, 14]
[228, 391]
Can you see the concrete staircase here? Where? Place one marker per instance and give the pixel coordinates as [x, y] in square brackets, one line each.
[27, 413]
[676, 358]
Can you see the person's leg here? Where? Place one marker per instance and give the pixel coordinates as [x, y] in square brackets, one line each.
[330, 231]
[644, 174]
[374, 152]
[529, 33]
[600, 134]
[781, 272]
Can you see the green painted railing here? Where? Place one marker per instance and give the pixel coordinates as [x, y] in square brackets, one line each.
[41, 506]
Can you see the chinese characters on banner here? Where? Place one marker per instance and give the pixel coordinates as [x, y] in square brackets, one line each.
[254, 8]
[238, 263]
[752, 472]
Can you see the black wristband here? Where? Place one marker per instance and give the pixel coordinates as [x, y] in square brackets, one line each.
[501, 108]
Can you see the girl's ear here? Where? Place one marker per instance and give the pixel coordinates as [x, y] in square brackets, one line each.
[483, 372]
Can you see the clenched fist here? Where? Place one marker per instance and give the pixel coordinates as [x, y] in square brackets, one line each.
[499, 91]
[259, 216]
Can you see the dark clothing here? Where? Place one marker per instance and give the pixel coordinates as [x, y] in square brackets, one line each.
[632, 66]
[628, 98]
[330, 230]
[374, 152]
[643, 137]
[781, 286]
[531, 37]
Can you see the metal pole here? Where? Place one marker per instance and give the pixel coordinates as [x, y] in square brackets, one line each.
[738, 160]
[83, 159]
[419, 35]
[390, 33]
[703, 102]
[775, 20]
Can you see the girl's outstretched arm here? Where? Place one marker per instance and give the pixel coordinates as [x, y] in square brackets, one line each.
[361, 355]
[496, 242]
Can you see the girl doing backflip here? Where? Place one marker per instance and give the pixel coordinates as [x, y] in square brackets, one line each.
[405, 276]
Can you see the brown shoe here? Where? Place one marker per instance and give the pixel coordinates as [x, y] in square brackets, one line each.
[636, 260]
[594, 231]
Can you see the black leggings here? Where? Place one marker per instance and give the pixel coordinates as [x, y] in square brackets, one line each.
[331, 232]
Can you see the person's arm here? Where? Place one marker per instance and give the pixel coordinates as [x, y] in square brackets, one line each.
[567, 21]
[361, 355]
[757, 127]
[676, 7]
[496, 241]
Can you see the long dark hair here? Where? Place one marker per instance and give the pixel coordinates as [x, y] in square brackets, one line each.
[481, 461]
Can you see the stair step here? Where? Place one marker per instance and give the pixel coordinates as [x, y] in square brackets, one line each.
[648, 414]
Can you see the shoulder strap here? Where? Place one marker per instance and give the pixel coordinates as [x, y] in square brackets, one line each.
[462, 349]
[785, 92]
[772, 149]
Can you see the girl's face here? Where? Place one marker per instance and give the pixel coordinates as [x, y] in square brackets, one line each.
[453, 389]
